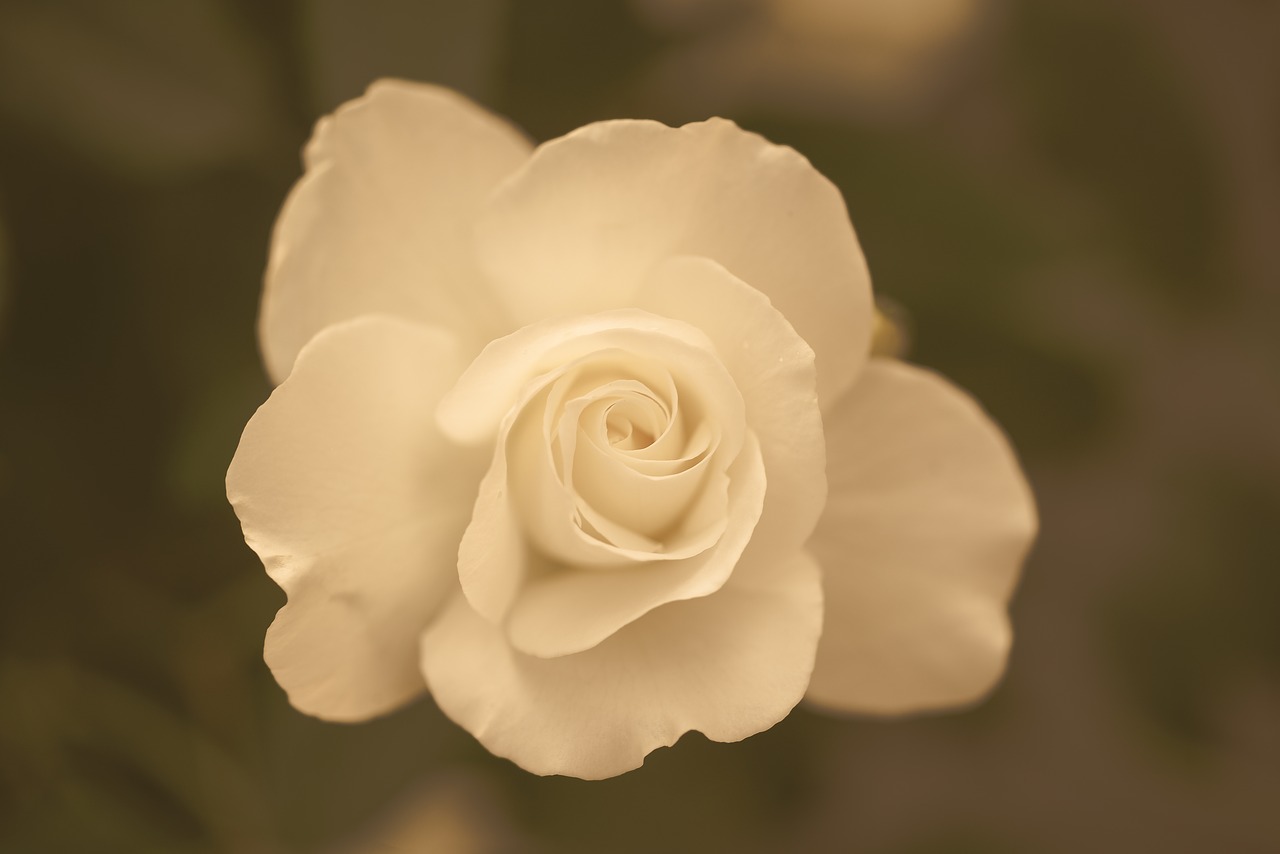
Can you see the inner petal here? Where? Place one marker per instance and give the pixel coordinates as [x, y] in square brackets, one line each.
[575, 402]
[529, 526]
[602, 443]
[690, 448]
[647, 504]
[631, 423]
[608, 376]
[613, 501]
[562, 421]
[560, 613]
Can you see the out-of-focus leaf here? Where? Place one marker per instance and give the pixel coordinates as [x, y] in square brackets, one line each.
[690, 15]
[958, 841]
[566, 62]
[90, 816]
[1104, 104]
[349, 45]
[206, 438]
[1205, 612]
[1053, 399]
[964, 255]
[138, 772]
[142, 87]
[937, 230]
[4, 274]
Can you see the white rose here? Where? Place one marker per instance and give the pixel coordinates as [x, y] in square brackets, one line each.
[549, 443]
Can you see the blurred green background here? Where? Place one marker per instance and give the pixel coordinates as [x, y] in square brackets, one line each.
[1077, 202]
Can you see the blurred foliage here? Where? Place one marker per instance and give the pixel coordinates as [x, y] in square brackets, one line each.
[1060, 226]
[568, 62]
[143, 87]
[962, 269]
[1119, 124]
[4, 273]
[1205, 612]
[346, 45]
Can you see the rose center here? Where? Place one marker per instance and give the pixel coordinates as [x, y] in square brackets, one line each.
[632, 423]
[620, 445]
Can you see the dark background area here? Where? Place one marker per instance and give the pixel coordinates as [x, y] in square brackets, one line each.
[1077, 204]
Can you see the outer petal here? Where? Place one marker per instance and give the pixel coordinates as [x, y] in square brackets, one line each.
[927, 523]
[730, 665]
[580, 226]
[380, 222]
[355, 504]
[773, 368]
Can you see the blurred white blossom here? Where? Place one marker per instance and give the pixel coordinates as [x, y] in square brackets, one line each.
[829, 57]
[454, 814]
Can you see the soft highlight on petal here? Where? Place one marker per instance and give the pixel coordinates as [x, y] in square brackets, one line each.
[729, 666]
[582, 224]
[569, 609]
[355, 503]
[927, 524]
[493, 383]
[541, 555]
[565, 502]
[381, 221]
[774, 370]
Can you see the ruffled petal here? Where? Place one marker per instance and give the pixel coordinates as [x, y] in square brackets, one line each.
[381, 221]
[568, 610]
[473, 410]
[356, 503]
[729, 665]
[927, 524]
[774, 370]
[580, 226]
[525, 562]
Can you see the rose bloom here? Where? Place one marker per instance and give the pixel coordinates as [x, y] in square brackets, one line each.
[586, 440]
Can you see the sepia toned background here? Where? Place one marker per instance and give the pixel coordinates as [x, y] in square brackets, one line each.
[1076, 203]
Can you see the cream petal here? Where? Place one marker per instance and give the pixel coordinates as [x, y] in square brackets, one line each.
[555, 607]
[507, 377]
[533, 498]
[579, 227]
[493, 561]
[381, 221]
[573, 609]
[773, 369]
[729, 665]
[356, 504]
[650, 504]
[616, 341]
[494, 558]
[493, 383]
[927, 523]
[615, 486]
